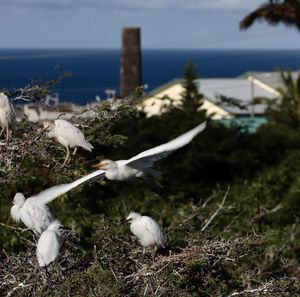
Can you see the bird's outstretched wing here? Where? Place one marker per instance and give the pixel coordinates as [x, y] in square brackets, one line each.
[148, 157]
[50, 194]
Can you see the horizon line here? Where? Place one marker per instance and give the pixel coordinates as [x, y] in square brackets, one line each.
[148, 48]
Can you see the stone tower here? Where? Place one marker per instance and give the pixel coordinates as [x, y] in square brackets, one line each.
[131, 65]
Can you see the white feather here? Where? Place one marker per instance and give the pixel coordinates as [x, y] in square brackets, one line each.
[147, 230]
[48, 245]
[7, 113]
[141, 164]
[15, 213]
[69, 135]
[50, 194]
[148, 157]
[34, 212]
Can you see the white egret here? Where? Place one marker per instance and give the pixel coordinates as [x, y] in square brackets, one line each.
[140, 165]
[7, 116]
[48, 245]
[146, 230]
[34, 212]
[66, 134]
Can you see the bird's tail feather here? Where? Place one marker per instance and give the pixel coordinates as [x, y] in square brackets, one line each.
[87, 146]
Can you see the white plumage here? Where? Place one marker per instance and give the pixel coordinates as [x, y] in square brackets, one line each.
[146, 230]
[141, 164]
[67, 135]
[7, 116]
[48, 245]
[34, 212]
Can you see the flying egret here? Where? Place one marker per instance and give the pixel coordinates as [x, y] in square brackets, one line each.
[7, 116]
[146, 230]
[140, 165]
[34, 212]
[48, 245]
[66, 134]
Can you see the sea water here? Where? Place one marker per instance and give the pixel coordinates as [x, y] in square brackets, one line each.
[94, 71]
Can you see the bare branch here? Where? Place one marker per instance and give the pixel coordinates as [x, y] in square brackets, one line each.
[265, 288]
[221, 206]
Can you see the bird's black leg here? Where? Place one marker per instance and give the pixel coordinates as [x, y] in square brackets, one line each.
[45, 274]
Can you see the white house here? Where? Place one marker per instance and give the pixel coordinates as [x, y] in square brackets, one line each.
[243, 90]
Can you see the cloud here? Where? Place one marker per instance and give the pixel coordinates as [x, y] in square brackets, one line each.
[224, 4]
[133, 5]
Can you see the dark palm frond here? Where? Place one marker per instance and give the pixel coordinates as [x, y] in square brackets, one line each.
[286, 13]
[223, 100]
[290, 92]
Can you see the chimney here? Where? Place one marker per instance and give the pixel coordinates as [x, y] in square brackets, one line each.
[130, 71]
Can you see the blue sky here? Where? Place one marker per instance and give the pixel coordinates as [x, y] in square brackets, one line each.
[165, 24]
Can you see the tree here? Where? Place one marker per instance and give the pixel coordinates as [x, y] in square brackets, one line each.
[274, 12]
[288, 109]
[192, 99]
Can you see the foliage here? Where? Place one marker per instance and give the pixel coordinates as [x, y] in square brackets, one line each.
[275, 12]
[191, 97]
[228, 202]
[287, 110]
[37, 90]
[116, 267]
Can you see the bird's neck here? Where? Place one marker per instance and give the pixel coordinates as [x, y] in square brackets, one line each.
[16, 213]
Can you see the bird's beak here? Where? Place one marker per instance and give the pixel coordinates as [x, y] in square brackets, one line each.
[98, 165]
[124, 222]
[45, 128]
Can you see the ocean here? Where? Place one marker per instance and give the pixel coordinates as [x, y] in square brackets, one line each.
[94, 71]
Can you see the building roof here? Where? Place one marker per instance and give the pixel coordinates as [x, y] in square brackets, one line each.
[241, 89]
[269, 79]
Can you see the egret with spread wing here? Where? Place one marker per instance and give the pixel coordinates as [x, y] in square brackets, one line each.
[140, 165]
[7, 116]
[66, 134]
[48, 245]
[34, 212]
[146, 230]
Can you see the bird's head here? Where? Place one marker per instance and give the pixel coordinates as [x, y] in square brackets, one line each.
[132, 216]
[3, 95]
[19, 199]
[104, 164]
[46, 125]
[3, 100]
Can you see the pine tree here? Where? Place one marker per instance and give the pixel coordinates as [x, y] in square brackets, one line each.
[192, 99]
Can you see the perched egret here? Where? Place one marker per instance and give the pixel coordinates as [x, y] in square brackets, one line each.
[34, 212]
[140, 165]
[48, 245]
[66, 134]
[7, 116]
[146, 230]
